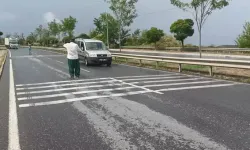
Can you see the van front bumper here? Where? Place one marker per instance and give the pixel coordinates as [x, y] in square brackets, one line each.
[96, 60]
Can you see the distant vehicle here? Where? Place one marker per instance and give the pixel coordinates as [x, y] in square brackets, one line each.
[11, 43]
[93, 52]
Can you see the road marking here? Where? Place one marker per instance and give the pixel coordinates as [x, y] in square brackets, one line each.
[80, 99]
[185, 83]
[65, 89]
[56, 82]
[13, 133]
[67, 68]
[84, 70]
[144, 76]
[75, 93]
[9, 53]
[92, 79]
[52, 68]
[195, 87]
[167, 77]
[106, 81]
[59, 62]
[68, 84]
[34, 56]
[136, 86]
[156, 81]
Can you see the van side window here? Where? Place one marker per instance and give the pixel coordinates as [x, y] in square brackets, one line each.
[82, 46]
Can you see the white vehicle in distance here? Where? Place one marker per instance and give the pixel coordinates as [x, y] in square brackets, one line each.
[11, 43]
[93, 52]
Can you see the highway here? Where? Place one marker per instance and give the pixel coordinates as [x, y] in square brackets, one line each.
[182, 54]
[117, 108]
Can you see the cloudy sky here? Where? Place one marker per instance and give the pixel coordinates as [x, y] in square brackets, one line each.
[23, 16]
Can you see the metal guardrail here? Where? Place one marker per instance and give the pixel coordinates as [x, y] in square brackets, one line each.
[204, 49]
[240, 64]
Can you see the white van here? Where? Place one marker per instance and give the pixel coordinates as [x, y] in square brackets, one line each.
[93, 52]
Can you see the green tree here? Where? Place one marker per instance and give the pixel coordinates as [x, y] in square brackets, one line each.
[39, 31]
[104, 21]
[54, 28]
[143, 38]
[167, 41]
[68, 25]
[133, 40]
[83, 35]
[154, 35]
[182, 29]
[243, 40]
[31, 38]
[200, 9]
[125, 13]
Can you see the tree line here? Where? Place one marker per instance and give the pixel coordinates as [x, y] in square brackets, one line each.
[118, 24]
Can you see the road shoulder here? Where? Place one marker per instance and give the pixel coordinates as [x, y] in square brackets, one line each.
[4, 106]
[3, 54]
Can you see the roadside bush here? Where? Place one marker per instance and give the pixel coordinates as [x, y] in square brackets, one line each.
[167, 41]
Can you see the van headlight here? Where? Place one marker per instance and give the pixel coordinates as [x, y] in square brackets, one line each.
[92, 55]
[109, 55]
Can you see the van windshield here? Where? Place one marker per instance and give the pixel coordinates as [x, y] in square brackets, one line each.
[95, 46]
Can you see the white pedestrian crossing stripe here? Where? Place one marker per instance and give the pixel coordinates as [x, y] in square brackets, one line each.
[51, 93]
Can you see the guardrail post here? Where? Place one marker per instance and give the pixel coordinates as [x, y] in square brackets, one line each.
[210, 70]
[140, 62]
[126, 60]
[157, 64]
[180, 69]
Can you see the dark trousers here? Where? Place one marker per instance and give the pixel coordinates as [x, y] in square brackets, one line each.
[74, 67]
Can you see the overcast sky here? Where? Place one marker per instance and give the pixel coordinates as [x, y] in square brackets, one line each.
[221, 28]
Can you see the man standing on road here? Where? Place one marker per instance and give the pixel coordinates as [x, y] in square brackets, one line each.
[73, 61]
[29, 49]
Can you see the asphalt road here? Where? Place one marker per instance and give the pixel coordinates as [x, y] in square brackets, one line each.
[118, 107]
[184, 54]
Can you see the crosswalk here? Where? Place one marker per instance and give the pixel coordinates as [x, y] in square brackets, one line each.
[59, 92]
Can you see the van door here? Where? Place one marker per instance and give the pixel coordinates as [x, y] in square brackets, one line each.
[81, 46]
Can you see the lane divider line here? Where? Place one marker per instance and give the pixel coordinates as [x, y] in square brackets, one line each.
[13, 133]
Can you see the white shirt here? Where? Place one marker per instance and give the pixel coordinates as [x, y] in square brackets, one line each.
[72, 50]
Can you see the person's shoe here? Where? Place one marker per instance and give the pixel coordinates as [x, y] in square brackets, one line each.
[71, 77]
[77, 77]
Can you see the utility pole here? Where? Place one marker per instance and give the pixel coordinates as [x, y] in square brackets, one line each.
[107, 30]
